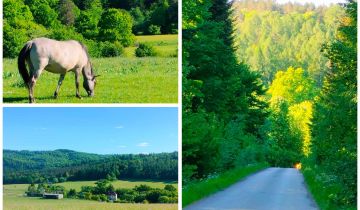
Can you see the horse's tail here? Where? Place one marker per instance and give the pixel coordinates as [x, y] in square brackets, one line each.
[24, 53]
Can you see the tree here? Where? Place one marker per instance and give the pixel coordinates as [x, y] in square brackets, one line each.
[116, 25]
[68, 12]
[334, 125]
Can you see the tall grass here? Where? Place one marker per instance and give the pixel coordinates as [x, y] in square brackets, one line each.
[198, 190]
[323, 188]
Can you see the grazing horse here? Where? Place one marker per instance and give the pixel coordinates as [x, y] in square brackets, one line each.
[57, 57]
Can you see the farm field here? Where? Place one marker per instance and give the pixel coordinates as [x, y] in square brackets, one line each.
[124, 79]
[14, 198]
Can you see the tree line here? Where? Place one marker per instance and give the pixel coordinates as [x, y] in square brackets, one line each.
[295, 101]
[66, 165]
[104, 26]
[101, 190]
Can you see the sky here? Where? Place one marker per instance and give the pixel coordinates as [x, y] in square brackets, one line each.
[316, 2]
[97, 130]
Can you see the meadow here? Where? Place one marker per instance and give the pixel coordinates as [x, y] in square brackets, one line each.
[123, 79]
[14, 198]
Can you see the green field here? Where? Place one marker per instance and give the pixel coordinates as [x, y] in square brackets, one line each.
[124, 79]
[14, 198]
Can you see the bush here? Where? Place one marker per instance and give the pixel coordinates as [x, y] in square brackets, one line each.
[153, 196]
[103, 197]
[145, 50]
[164, 199]
[154, 30]
[139, 198]
[169, 187]
[95, 197]
[109, 49]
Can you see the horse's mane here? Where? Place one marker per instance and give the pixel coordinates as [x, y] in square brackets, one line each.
[87, 55]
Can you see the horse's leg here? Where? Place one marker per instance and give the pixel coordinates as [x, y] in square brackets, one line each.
[31, 86]
[77, 83]
[36, 69]
[62, 76]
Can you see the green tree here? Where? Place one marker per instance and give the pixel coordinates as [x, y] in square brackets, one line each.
[68, 12]
[116, 25]
[334, 125]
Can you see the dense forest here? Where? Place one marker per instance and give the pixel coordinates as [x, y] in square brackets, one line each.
[104, 26]
[275, 83]
[269, 36]
[62, 165]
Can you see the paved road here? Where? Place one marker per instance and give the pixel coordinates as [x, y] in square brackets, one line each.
[270, 189]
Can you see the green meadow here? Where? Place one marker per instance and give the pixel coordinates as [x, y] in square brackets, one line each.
[124, 79]
[14, 198]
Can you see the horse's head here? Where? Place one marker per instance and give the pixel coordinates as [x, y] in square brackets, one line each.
[89, 85]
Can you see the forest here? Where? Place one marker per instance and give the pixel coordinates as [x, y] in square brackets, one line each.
[105, 26]
[66, 165]
[272, 83]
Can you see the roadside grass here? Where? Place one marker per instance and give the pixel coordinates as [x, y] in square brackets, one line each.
[323, 189]
[124, 79]
[197, 190]
[14, 199]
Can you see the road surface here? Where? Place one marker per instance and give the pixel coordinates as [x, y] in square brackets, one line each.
[270, 189]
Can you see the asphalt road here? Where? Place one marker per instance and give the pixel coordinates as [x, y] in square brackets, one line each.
[270, 189]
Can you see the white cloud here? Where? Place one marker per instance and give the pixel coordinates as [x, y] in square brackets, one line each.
[119, 127]
[121, 146]
[143, 144]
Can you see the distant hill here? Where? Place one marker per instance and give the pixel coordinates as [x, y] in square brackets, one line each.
[61, 165]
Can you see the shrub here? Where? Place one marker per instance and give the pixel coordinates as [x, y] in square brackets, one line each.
[145, 50]
[95, 197]
[163, 199]
[142, 188]
[109, 49]
[71, 193]
[154, 30]
[153, 196]
[169, 187]
[139, 198]
[103, 197]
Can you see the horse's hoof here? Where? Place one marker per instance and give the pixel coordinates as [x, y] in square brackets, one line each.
[78, 96]
[55, 95]
[31, 100]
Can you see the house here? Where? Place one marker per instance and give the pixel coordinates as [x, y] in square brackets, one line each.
[53, 196]
[112, 196]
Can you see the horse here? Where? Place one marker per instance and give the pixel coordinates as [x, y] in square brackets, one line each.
[57, 57]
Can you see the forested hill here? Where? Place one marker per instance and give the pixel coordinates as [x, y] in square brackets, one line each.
[272, 37]
[61, 165]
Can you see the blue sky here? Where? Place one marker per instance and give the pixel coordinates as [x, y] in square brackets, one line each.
[95, 130]
[316, 2]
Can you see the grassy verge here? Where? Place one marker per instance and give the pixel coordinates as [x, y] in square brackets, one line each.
[198, 190]
[323, 189]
